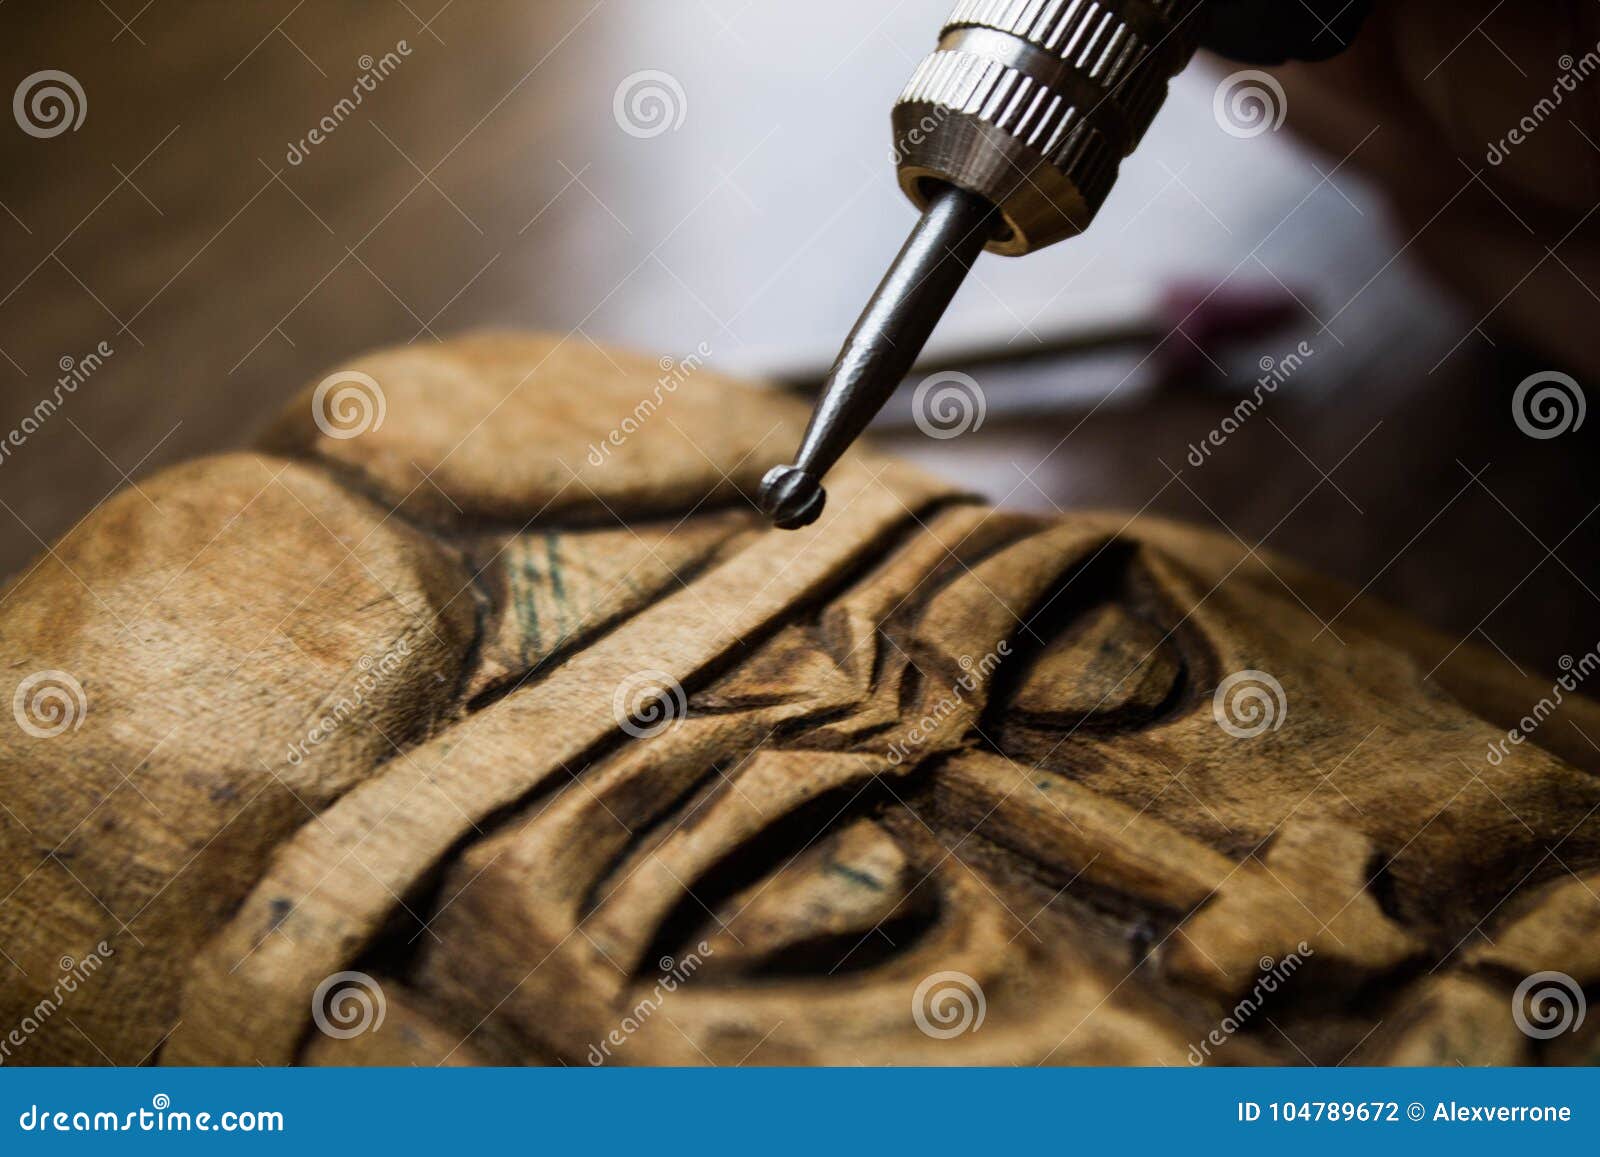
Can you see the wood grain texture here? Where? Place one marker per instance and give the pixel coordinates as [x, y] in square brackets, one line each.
[173, 226]
[579, 763]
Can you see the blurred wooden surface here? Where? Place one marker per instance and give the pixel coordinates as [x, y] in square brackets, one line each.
[486, 182]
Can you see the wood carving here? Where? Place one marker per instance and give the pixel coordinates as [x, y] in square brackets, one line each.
[503, 731]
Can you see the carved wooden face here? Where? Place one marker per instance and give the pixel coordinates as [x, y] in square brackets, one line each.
[509, 718]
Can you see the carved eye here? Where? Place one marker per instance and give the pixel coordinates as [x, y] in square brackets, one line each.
[1107, 668]
[821, 912]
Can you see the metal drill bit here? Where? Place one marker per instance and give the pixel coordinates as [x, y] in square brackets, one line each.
[880, 351]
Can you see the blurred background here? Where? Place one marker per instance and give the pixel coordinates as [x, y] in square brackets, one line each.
[672, 174]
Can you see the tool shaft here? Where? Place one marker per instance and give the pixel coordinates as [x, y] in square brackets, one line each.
[883, 346]
[897, 323]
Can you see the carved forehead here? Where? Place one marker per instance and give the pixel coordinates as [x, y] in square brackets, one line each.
[561, 431]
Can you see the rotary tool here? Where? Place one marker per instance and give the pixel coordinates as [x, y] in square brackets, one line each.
[1009, 138]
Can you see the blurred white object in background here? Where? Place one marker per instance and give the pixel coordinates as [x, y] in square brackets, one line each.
[779, 159]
